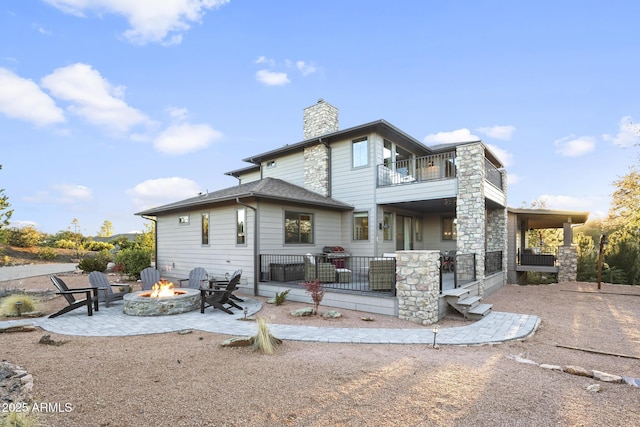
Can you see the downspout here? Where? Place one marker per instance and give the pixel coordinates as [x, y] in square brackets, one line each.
[155, 238]
[256, 263]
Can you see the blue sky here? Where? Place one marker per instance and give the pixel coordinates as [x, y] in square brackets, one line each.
[110, 107]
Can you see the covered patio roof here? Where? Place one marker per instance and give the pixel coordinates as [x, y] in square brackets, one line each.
[545, 218]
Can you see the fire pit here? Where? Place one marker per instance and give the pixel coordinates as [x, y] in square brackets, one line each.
[162, 300]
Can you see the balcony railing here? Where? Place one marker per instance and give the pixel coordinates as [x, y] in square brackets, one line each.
[492, 262]
[493, 174]
[418, 169]
[355, 274]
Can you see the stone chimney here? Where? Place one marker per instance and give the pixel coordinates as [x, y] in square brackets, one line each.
[320, 119]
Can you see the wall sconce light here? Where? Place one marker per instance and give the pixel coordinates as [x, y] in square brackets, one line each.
[383, 226]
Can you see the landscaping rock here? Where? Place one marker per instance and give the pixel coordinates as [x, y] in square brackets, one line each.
[18, 328]
[551, 367]
[238, 342]
[331, 314]
[525, 361]
[46, 339]
[635, 382]
[271, 301]
[594, 388]
[577, 370]
[302, 312]
[607, 378]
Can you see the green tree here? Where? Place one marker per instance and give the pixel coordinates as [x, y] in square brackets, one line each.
[5, 213]
[106, 230]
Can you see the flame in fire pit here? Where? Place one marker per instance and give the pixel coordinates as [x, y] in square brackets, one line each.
[163, 288]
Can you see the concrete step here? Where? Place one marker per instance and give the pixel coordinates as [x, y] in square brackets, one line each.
[479, 311]
[469, 301]
[457, 292]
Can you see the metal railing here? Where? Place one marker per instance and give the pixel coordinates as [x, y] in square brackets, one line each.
[418, 169]
[492, 262]
[465, 269]
[493, 174]
[354, 274]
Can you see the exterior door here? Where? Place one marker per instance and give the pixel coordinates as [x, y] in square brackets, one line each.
[404, 237]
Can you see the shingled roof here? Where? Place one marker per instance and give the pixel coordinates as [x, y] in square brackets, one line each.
[267, 188]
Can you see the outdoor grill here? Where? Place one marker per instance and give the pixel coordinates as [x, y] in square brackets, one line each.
[335, 255]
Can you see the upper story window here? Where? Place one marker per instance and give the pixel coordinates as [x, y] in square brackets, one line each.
[183, 219]
[360, 152]
[298, 227]
[271, 164]
[241, 224]
[205, 228]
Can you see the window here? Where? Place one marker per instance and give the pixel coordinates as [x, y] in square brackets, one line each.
[183, 220]
[449, 229]
[271, 164]
[298, 227]
[361, 226]
[418, 229]
[241, 215]
[360, 152]
[205, 228]
[386, 226]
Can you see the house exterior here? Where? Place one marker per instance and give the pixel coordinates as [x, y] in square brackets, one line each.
[371, 191]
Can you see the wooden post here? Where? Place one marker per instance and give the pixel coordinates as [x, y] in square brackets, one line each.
[602, 241]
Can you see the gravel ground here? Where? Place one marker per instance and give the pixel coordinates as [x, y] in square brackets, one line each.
[190, 380]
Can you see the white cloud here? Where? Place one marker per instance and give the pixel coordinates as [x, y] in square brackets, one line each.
[570, 203]
[628, 133]
[264, 60]
[178, 114]
[459, 135]
[71, 193]
[503, 155]
[305, 68]
[272, 78]
[92, 97]
[572, 146]
[498, 132]
[151, 21]
[22, 99]
[513, 179]
[156, 192]
[185, 138]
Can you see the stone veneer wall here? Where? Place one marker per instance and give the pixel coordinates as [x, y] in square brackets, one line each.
[567, 263]
[316, 169]
[418, 286]
[320, 119]
[470, 208]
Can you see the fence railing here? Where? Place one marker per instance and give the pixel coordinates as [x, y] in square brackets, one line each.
[492, 262]
[356, 274]
[418, 169]
[465, 269]
[493, 174]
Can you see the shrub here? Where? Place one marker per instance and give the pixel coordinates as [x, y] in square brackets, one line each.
[134, 261]
[263, 341]
[98, 246]
[65, 244]
[94, 263]
[281, 297]
[47, 254]
[8, 304]
[316, 291]
[26, 237]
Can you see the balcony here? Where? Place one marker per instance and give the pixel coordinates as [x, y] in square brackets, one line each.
[419, 169]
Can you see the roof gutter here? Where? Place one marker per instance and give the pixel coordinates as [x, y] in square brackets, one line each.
[256, 260]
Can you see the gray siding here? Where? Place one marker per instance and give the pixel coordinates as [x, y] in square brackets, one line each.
[288, 168]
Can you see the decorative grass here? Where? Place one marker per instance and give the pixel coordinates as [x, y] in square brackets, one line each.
[8, 305]
[263, 341]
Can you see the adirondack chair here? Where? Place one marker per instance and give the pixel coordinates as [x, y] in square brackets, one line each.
[196, 276]
[218, 298]
[149, 276]
[235, 277]
[90, 300]
[100, 281]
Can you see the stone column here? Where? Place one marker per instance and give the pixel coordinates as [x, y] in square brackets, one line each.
[316, 169]
[567, 263]
[418, 286]
[320, 119]
[470, 208]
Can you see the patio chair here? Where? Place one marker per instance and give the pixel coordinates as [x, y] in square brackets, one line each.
[196, 277]
[149, 276]
[100, 281]
[218, 298]
[90, 300]
[235, 278]
[314, 269]
[382, 274]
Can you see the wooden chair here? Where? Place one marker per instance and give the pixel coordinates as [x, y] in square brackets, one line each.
[90, 300]
[218, 298]
[149, 276]
[196, 276]
[101, 282]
